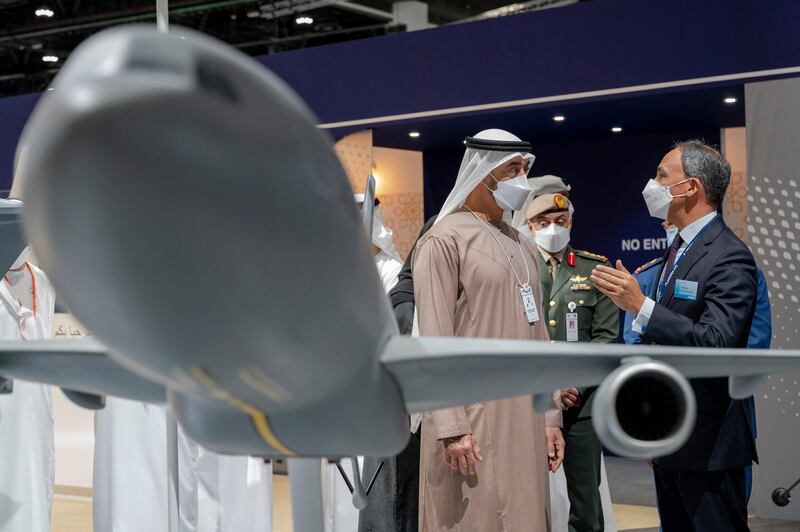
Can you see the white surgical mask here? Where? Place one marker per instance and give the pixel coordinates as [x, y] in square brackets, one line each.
[672, 232]
[511, 194]
[553, 238]
[658, 197]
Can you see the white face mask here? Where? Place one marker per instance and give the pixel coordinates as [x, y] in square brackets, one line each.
[511, 194]
[658, 197]
[671, 234]
[553, 238]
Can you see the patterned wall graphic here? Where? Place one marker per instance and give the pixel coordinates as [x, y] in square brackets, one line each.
[399, 183]
[734, 147]
[773, 200]
[403, 213]
[355, 154]
[773, 229]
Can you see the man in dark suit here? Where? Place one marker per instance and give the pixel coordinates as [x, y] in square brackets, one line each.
[705, 297]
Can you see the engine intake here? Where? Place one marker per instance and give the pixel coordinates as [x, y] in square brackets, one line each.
[644, 409]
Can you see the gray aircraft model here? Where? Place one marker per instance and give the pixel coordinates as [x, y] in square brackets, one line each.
[195, 219]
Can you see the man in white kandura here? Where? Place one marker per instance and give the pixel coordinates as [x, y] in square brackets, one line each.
[216, 493]
[27, 450]
[340, 514]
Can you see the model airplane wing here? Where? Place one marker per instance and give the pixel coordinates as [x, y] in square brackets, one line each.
[440, 372]
[643, 407]
[80, 366]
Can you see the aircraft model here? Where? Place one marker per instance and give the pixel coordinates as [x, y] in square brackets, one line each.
[195, 219]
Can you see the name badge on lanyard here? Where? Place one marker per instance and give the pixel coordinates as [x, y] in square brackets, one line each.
[685, 290]
[529, 304]
[572, 326]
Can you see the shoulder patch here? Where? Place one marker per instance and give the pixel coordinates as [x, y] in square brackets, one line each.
[588, 255]
[648, 265]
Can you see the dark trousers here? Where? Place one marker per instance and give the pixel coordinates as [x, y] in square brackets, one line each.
[701, 501]
[582, 468]
[394, 499]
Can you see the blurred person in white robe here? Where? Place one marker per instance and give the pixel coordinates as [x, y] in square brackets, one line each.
[27, 449]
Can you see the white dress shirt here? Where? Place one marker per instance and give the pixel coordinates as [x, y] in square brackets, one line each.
[688, 234]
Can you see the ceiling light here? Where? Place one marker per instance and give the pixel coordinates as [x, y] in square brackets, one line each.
[50, 59]
[304, 21]
[253, 14]
[44, 11]
[559, 118]
[730, 99]
[616, 129]
[414, 134]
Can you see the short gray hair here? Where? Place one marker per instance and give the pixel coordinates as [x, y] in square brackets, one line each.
[708, 165]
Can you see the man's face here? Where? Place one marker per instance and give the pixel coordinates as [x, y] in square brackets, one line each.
[540, 222]
[670, 172]
[508, 170]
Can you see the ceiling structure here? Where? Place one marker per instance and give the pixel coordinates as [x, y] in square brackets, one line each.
[36, 36]
[693, 108]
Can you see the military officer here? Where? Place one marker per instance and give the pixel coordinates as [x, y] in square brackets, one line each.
[575, 311]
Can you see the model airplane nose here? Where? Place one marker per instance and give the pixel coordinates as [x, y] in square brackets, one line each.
[187, 207]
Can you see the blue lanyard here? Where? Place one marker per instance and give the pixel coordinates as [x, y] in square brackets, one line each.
[662, 284]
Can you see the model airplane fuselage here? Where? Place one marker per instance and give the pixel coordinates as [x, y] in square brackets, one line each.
[232, 266]
[193, 217]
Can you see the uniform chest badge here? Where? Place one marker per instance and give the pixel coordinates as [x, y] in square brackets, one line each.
[580, 287]
[578, 279]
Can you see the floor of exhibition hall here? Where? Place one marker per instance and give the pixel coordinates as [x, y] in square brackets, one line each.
[631, 490]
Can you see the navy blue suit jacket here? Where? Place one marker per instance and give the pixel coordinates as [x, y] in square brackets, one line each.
[720, 316]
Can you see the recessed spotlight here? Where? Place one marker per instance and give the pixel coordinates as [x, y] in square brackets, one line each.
[233, 16]
[616, 129]
[730, 99]
[44, 11]
[50, 59]
[253, 14]
[414, 134]
[304, 21]
[559, 118]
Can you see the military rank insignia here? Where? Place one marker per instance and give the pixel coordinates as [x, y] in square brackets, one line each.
[571, 259]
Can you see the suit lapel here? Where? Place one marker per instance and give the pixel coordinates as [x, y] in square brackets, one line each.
[654, 290]
[693, 256]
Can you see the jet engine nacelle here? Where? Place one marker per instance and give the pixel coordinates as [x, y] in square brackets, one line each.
[644, 409]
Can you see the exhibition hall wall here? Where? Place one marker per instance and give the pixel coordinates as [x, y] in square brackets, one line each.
[773, 194]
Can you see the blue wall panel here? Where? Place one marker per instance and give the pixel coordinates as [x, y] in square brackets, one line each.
[589, 46]
[14, 113]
